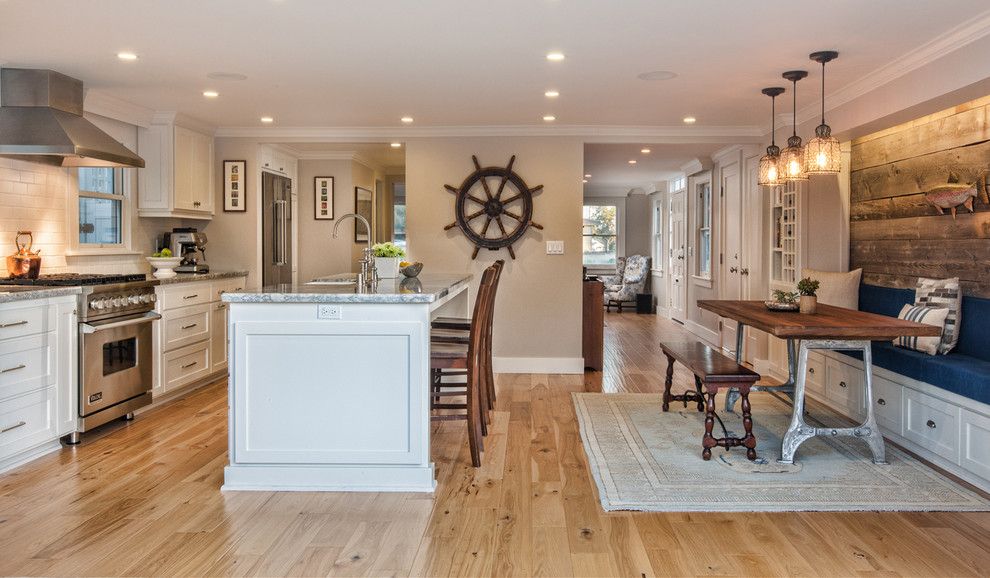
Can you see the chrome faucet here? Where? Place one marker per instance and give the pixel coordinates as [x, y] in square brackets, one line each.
[368, 277]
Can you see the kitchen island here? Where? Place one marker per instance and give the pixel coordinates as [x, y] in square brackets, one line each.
[329, 385]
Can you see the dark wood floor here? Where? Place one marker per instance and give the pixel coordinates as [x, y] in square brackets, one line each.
[144, 500]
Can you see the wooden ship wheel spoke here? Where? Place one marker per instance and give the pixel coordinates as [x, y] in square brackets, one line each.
[493, 207]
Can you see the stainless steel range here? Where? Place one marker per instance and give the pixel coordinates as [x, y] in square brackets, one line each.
[116, 313]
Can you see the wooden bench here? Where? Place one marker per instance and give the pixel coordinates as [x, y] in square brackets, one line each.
[712, 372]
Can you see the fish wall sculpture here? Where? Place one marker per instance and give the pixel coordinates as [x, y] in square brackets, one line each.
[952, 195]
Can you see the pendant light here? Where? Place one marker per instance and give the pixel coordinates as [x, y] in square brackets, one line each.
[770, 173]
[792, 157]
[822, 155]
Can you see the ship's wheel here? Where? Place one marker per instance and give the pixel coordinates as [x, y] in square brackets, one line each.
[493, 217]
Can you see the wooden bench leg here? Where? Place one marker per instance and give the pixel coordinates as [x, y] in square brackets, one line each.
[701, 394]
[709, 441]
[667, 383]
[750, 440]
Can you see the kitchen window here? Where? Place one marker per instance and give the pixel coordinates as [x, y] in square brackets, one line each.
[658, 234]
[99, 218]
[600, 235]
[703, 234]
[399, 214]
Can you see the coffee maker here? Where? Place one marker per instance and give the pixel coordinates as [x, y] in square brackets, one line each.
[191, 246]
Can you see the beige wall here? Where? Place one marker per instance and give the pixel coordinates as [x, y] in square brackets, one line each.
[319, 253]
[234, 240]
[638, 224]
[538, 312]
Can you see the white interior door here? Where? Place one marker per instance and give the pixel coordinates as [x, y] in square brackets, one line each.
[732, 249]
[677, 252]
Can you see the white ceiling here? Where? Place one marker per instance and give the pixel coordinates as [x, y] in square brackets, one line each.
[458, 63]
[381, 154]
[608, 164]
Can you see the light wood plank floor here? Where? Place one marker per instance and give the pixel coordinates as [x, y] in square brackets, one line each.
[144, 499]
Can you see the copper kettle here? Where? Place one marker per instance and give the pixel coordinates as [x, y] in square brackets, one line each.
[25, 263]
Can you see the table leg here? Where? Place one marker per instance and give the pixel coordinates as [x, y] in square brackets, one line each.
[798, 432]
[873, 437]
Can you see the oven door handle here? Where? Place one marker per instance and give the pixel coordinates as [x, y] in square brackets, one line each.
[146, 318]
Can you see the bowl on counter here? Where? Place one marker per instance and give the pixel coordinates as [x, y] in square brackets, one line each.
[412, 270]
[164, 266]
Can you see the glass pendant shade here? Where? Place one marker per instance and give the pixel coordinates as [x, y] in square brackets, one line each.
[822, 154]
[792, 161]
[770, 168]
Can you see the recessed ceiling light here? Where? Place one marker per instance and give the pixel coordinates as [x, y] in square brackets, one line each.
[551, 94]
[549, 118]
[632, 161]
[267, 119]
[587, 176]
[657, 75]
[127, 56]
[645, 151]
[226, 76]
[555, 56]
[396, 145]
[406, 119]
[211, 93]
[690, 120]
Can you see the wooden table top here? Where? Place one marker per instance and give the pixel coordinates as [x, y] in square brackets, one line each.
[828, 323]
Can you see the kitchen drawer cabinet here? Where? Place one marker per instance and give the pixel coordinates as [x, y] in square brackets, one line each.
[816, 375]
[19, 320]
[221, 286]
[887, 404]
[185, 326]
[27, 364]
[186, 365]
[185, 294]
[844, 387]
[26, 421]
[932, 424]
[218, 336]
[975, 451]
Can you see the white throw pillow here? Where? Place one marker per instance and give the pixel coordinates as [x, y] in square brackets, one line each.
[838, 289]
[929, 316]
[942, 293]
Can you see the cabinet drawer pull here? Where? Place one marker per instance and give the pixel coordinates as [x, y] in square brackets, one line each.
[197, 203]
[842, 384]
[13, 324]
[15, 426]
[881, 401]
[15, 368]
[193, 296]
[184, 327]
[930, 424]
[188, 365]
[221, 306]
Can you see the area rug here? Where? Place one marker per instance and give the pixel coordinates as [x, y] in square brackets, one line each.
[644, 459]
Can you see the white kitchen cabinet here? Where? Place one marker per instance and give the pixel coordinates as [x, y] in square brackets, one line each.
[38, 392]
[178, 178]
[277, 161]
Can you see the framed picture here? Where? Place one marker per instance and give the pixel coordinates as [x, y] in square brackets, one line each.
[364, 206]
[323, 198]
[234, 186]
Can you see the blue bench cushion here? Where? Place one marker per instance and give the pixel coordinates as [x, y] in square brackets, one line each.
[964, 371]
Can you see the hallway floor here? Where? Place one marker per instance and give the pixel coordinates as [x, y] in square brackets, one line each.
[144, 499]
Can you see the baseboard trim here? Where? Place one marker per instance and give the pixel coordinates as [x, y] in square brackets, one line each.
[703, 332]
[538, 364]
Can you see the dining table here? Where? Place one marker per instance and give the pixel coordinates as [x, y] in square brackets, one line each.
[829, 328]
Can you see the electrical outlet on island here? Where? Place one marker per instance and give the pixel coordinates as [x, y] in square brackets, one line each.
[329, 312]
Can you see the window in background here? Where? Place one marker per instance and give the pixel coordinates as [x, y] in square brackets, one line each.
[600, 234]
[658, 234]
[101, 206]
[399, 214]
[704, 231]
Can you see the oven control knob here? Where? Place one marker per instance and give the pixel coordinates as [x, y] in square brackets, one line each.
[147, 298]
[134, 299]
[96, 304]
[117, 301]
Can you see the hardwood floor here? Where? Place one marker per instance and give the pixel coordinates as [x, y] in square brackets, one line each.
[144, 499]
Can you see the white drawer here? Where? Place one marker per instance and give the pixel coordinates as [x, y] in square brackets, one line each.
[27, 364]
[975, 451]
[932, 424]
[185, 294]
[186, 365]
[844, 387]
[886, 401]
[185, 326]
[233, 285]
[19, 320]
[815, 380]
[27, 421]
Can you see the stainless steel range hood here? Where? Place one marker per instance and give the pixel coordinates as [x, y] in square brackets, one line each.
[41, 121]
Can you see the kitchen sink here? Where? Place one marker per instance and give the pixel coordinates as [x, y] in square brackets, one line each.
[341, 279]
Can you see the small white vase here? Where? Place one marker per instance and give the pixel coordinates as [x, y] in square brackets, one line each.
[387, 267]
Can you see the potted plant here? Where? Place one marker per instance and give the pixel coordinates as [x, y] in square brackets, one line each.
[387, 257]
[808, 288]
[164, 263]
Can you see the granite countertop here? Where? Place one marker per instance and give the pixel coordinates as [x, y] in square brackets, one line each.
[426, 288]
[193, 277]
[11, 293]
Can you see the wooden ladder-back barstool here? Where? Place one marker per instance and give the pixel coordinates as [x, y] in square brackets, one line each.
[458, 356]
[456, 329]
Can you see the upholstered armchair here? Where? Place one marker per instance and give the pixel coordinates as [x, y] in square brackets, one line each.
[621, 289]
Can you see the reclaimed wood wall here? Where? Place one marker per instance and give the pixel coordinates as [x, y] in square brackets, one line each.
[896, 236]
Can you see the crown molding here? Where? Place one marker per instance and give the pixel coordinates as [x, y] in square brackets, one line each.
[184, 120]
[102, 104]
[648, 134]
[323, 155]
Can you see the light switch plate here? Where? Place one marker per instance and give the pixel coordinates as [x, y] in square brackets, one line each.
[329, 312]
[555, 247]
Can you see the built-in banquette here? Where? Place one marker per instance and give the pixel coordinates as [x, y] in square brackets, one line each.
[937, 406]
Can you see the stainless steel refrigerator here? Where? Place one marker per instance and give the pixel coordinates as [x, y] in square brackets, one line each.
[276, 223]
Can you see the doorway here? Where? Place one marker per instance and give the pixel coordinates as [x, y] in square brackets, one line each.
[677, 252]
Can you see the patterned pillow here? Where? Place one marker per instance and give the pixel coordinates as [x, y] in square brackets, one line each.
[929, 316]
[943, 293]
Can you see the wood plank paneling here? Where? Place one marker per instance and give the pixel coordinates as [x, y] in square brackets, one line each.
[896, 235]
